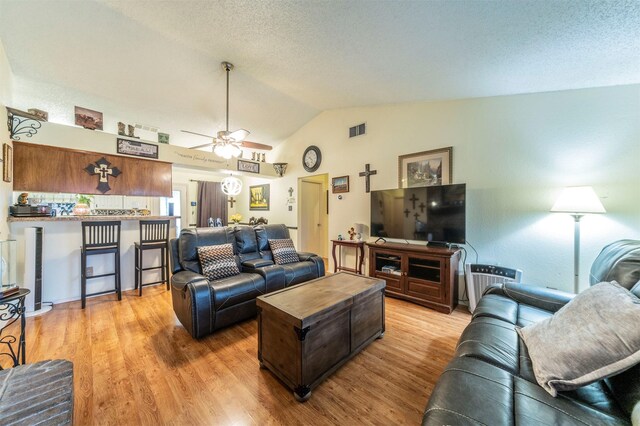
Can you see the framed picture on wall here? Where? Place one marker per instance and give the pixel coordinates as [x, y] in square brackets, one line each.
[425, 168]
[340, 184]
[7, 163]
[259, 197]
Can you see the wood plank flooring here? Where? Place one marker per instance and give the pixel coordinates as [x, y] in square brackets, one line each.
[135, 364]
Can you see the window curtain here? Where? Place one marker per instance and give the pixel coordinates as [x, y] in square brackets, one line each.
[212, 203]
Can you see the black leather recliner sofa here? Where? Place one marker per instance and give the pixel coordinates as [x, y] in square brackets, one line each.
[203, 306]
[491, 381]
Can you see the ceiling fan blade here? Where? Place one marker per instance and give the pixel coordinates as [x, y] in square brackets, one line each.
[199, 134]
[201, 146]
[239, 135]
[256, 145]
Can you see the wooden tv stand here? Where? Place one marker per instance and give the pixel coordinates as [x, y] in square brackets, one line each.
[417, 273]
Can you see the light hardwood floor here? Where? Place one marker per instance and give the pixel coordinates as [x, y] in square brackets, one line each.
[135, 364]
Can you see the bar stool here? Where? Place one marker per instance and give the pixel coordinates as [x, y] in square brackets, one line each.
[100, 238]
[154, 235]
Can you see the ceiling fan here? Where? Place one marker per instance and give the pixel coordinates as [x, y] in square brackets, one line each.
[228, 144]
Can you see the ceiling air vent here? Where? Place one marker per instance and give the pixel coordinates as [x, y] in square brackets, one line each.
[357, 130]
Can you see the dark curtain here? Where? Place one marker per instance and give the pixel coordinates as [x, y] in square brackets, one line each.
[212, 203]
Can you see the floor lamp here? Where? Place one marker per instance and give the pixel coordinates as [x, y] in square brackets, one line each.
[577, 201]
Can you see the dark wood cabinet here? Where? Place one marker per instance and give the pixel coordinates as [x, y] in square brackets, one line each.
[423, 275]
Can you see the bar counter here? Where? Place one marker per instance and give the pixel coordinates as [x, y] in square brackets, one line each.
[73, 218]
[62, 238]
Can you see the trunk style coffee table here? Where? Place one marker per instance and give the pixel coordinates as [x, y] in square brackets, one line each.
[306, 332]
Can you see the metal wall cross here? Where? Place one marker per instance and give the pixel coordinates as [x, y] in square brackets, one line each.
[102, 169]
[414, 199]
[231, 201]
[367, 174]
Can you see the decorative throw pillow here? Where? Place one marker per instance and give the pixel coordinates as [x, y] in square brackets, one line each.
[594, 336]
[217, 261]
[283, 251]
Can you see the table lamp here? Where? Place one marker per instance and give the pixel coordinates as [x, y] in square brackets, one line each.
[577, 201]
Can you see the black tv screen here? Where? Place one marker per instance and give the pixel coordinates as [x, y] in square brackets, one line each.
[430, 213]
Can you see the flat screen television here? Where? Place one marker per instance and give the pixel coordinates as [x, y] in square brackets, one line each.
[430, 213]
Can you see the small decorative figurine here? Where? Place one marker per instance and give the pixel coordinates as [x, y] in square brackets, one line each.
[352, 233]
[121, 128]
[340, 238]
[23, 199]
[132, 130]
[263, 157]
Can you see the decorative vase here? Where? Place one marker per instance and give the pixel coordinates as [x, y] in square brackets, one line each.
[81, 209]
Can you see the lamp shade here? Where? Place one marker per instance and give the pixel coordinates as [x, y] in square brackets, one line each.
[578, 199]
[358, 227]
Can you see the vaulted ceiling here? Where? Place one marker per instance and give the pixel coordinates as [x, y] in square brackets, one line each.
[295, 59]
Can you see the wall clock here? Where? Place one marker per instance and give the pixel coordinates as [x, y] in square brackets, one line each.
[311, 158]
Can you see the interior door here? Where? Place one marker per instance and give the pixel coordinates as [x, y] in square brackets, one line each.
[311, 223]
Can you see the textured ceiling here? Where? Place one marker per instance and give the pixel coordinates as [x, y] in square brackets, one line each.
[296, 58]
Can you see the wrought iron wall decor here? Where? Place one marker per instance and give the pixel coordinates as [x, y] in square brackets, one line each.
[21, 123]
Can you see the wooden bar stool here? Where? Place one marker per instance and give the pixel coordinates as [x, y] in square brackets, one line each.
[154, 235]
[100, 238]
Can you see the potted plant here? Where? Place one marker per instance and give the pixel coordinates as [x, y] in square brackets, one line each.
[83, 206]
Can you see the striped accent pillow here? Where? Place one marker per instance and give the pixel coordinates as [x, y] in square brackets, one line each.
[217, 261]
[283, 251]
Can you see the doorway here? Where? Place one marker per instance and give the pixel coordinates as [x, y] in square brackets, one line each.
[176, 205]
[313, 218]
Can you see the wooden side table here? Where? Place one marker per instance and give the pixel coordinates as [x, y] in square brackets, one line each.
[11, 309]
[359, 248]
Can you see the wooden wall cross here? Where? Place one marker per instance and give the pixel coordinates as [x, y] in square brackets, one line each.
[102, 169]
[231, 201]
[422, 206]
[367, 174]
[416, 216]
[406, 212]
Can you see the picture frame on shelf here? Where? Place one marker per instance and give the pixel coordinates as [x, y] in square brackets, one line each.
[259, 197]
[163, 137]
[340, 184]
[7, 162]
[88, 118]
[136, 148]
[248, 166]
[426, 168]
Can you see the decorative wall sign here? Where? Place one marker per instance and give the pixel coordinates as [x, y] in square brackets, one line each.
[425, 168]
[259, 197]
[248, 166]
[367, 175]
[88, 118]
[340, 184]
[139, 149]
[102, 169]
[7, 162]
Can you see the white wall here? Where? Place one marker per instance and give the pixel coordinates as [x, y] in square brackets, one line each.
[6, 98]
[515, 153]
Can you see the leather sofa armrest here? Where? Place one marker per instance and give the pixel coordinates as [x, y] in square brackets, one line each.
[273, 275]
[256, 263]
[304, 256]
[191, 297]
[533, 295]
[312, 257]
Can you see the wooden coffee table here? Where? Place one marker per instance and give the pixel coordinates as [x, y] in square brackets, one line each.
[306, 332]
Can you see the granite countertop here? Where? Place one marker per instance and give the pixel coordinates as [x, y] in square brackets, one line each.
[85, 218]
